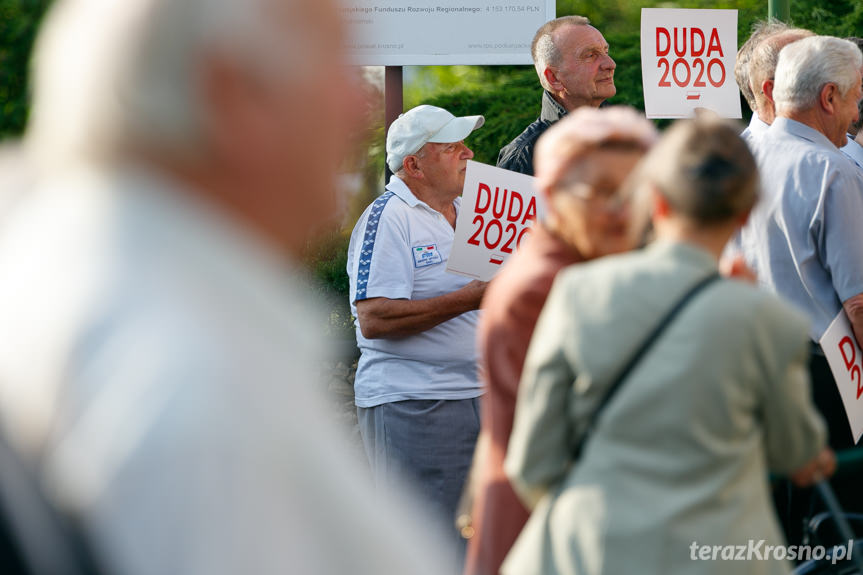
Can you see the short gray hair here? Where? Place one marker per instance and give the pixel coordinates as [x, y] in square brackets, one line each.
[114, 75]
[704, 169]
[765, 56]
[543, 49]
[807, 65]
[760, 30]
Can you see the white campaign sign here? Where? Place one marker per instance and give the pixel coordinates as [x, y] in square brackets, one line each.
[498, 208]
[846, 363]
[687, 62]
[436, 32]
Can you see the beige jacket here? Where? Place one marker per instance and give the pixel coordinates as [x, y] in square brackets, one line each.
[682, 453]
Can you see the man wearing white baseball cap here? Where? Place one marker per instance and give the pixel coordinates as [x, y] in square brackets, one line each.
[416, 385]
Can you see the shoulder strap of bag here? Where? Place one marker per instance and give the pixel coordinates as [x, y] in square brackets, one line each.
[645, 346]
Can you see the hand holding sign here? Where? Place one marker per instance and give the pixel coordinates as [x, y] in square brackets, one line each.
[846, 362]
[498, 209]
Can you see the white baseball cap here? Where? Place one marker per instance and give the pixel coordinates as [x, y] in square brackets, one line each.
[413, 129]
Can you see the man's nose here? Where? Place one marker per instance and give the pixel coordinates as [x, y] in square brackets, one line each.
[466, 152]
[609, 63]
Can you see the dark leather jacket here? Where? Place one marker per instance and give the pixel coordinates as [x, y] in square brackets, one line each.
[518, 154]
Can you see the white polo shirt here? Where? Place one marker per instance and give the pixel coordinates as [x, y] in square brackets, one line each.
[399, 250]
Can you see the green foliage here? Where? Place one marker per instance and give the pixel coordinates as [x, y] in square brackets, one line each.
[19, 20]
[326, 259]
[836, 18]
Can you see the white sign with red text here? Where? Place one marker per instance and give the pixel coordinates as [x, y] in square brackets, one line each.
[498, 208]
[687, 62]
[846, 363]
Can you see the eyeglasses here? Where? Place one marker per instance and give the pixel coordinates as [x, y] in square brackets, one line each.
[597, 197]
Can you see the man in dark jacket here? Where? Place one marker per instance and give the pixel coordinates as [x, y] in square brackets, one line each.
[574, 68]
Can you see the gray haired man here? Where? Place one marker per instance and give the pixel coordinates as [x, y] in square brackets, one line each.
[805, 239]
[574, 68]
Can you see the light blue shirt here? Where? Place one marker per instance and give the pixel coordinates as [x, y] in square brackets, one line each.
[854, 151]
[753, 132]
[398, 250]
[805, 237]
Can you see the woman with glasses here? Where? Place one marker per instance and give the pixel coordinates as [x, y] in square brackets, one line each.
[711, 397]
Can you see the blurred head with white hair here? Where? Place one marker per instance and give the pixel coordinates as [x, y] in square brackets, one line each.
[581, 164]
[245, 101]
[818, 83]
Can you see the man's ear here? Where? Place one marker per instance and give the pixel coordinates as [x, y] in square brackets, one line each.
[411, 167]
[767, 89]
[828, 97]
[552, 80]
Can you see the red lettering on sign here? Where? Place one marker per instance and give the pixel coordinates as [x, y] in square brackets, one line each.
[660, 34]
[473, 239]
[714, 44]
[510, 215]
[512, 230]
[530, 213]
[678, 81]
[680, 48]
[493, 244]
[479, 198]
[498, 213]
[693, 34]
[845, 345]
[699, 63]
[849, 356]
[663, 82]
[721, 80]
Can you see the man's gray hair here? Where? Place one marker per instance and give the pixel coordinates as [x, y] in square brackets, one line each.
[760, 30]
[543, 49]
[807, 65]
[117, 75]
[765, 56]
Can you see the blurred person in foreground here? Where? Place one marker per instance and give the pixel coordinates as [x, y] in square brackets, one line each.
[854, 148]
[158, 353]
[581, 163]
[680, 456]
[575, 69]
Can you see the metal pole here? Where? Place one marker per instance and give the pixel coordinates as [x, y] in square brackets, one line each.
[394, 99]
[779, 9]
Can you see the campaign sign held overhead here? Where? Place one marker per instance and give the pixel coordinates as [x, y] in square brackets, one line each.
[687, 62]
[498, 209]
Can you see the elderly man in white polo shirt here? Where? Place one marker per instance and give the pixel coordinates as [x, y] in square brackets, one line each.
[417, 385]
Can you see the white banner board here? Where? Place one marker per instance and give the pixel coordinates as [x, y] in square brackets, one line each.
[687, 62]
[435, 32]
[498, 209]
[846, 363]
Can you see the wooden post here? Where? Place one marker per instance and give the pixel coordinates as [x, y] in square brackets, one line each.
[394, 100]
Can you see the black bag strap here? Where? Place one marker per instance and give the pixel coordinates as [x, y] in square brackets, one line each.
[645, 346]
